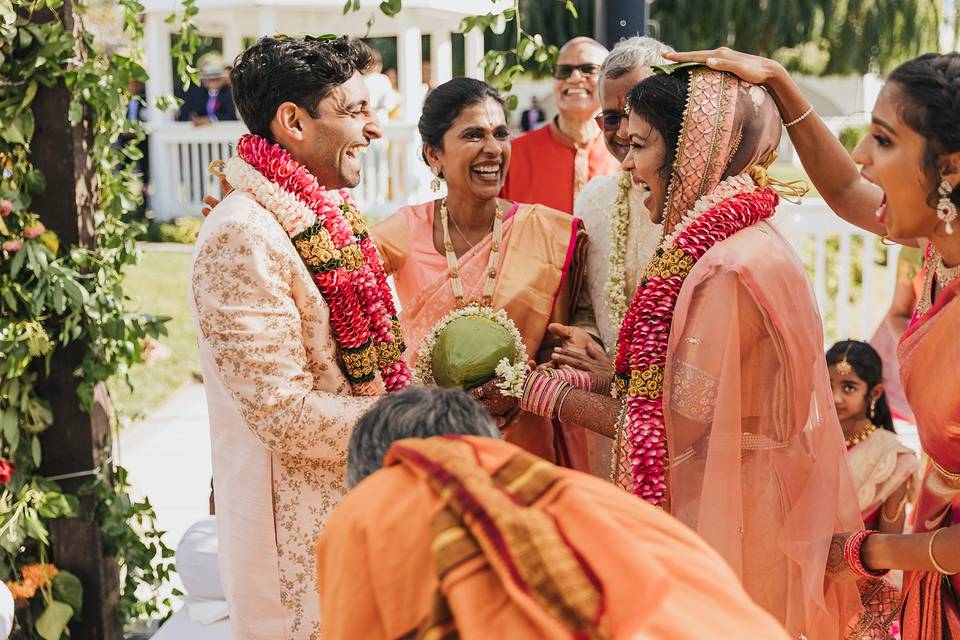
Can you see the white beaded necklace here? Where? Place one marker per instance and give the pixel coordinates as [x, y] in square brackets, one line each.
[453, 264]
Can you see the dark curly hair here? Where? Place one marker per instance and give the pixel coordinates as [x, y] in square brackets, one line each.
[444, 105]
[868, 366]
[303, 71]
[931, 87]
[661, 100]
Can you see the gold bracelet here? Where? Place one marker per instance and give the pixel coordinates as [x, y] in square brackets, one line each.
[933, 561]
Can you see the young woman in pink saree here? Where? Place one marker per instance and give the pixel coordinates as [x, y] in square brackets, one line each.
[534, 270]
[724, 416]
[909, 191]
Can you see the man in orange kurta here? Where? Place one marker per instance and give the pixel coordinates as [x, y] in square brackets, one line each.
[552, 164]
[473, 537]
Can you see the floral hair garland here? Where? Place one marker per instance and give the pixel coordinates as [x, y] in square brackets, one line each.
[617, 278]
[736, 203]
[332, 238]
[510, 375]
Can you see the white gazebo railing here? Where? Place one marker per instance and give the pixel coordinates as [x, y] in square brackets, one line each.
[392, 174]
[852, 273]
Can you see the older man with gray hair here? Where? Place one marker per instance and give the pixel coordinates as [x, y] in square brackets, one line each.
[468, 536]
[622, 237]
[417, 412]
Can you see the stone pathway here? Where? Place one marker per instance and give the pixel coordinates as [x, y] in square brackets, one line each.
[167, 455]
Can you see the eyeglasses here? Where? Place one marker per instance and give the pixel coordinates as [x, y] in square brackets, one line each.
[611, 121]
[564, 71]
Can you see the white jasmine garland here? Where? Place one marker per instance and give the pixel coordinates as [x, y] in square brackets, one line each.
[511, 375]
[294, 216]
[734, 185]
[617, 271]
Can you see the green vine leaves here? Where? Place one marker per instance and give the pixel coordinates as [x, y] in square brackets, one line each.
[52, 296]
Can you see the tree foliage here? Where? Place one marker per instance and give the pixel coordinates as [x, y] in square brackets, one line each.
[812, 36]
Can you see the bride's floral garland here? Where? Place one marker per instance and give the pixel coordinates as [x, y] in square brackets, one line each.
[332, 238]
[736, 203]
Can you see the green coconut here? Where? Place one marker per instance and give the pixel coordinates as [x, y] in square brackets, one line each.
[468, 350]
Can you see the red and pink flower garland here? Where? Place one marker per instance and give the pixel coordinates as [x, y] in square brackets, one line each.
[363, 316]
[645, 333]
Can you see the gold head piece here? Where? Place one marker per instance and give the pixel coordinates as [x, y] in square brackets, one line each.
[790, 191]
[844, 367]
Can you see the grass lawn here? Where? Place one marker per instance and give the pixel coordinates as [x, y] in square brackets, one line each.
[159, 285]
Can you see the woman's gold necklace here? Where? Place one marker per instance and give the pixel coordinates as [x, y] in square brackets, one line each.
[861, 435]
[453, 263]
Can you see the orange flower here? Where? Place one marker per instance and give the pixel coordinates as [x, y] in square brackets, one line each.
[38, 574]
[22, 590]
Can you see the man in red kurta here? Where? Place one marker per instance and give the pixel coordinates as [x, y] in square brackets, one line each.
[550, 165]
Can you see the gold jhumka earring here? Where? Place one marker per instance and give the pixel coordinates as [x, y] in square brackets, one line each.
[435, 183]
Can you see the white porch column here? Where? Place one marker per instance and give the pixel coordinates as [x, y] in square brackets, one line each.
[159, 83]
[232, 41]
[441, 57]
[473, 54]
[266, 21]
[159, 65]
[409, 68]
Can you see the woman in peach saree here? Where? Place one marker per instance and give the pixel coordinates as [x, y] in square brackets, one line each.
[908, 188]
[533, 277]
[727, 419]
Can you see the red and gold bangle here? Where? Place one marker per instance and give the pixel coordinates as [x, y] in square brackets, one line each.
[574, 377]
[852, 554]
[541, 394]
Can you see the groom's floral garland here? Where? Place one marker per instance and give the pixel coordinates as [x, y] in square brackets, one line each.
[332, 238]
[736, 203]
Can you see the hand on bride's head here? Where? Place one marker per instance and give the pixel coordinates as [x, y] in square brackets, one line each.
[753, 69]
[492, 398]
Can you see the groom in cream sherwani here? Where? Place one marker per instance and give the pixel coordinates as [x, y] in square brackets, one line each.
[281, 412]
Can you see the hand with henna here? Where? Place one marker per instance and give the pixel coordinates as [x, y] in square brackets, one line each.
[837, 568]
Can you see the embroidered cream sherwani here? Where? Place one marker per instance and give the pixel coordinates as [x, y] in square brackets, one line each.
[595, 205]
[280, 417]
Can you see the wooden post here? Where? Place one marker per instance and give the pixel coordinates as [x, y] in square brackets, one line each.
[77, 441]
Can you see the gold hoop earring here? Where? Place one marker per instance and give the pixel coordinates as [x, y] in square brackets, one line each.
[946, 209]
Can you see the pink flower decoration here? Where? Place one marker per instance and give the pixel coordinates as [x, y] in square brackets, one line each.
[361, 304]
[645, 334]
[6, 208]
[34, 230]
[12, 245]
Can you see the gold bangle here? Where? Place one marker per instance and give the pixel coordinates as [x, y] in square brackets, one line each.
[933, 561]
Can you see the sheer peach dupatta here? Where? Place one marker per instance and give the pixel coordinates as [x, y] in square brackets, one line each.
[534, 285]
[757, 463]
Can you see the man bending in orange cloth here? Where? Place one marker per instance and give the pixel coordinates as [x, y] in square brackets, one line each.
[471, 537]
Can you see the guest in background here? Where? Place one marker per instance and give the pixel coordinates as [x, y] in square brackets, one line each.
[533, 117]
[552, 164]
[883, 470]
[212, 101]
